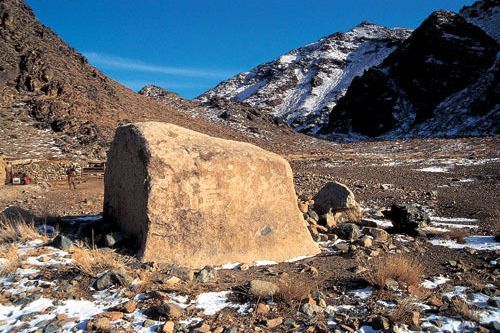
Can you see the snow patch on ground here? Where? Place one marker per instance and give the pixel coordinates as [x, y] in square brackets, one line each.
[474, 242]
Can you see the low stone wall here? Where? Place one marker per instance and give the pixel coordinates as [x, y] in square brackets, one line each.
[42, 170]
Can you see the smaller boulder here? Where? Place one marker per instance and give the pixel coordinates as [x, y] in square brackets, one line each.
[260, 288]
[207, 274]
[348, 231]
[311, 310]
[111, 278]
[62, 242]
[334, 197]
[171, 311]
[379, 235]
[407, 218]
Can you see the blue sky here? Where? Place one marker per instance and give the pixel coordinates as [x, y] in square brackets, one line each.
[189, 46]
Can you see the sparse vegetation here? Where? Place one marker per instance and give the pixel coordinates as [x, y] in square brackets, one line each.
[354, 215]
[464, 310]
[398, 267]
[457, 235]
[17, 230]
[94, 261]
[402, 313]
[292, 291]
[10, 259]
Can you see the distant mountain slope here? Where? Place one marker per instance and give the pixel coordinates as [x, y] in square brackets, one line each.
[486, 15]
[442, 81]
[303, 85]
[53, 103]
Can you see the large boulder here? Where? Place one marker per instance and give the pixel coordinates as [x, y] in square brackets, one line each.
[334, 196]
[193, 200]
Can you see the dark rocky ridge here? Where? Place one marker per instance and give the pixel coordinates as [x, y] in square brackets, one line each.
[442, 57]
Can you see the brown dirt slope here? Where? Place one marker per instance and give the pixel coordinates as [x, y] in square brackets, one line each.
[49, 91]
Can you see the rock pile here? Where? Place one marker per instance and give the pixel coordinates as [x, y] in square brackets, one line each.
[193, 200]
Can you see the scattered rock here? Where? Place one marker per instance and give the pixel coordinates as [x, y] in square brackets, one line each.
[348, 231]
[380, 323]
[99, 324]
[168, 327]
[334, 196]
[207, 274]
[366, 241]
[111, 278]
[272, 323]
[62, 242]
[113, 238]
[379, 235]
[171, 311]
[311, 310]
[262, 308]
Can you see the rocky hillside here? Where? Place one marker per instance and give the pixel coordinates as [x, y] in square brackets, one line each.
[441, 81]
[254, 124]
[304, 84]
[486, 15]
[53, 103]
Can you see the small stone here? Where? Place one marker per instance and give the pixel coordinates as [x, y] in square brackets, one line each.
[148, 323]
[379, 235]
[303, 207]
[262, 308]
[380, 323]
[113, 238]
[343, 247]
[171, 311]
[99, 324]
[272, 323]
[260, 288]
[348, 231]
[311, 310]
[207, 274]
[494, 302]
[202, 328]
[392, 284]
[110, 279]
[62, 242]
[415, 318]
[366, 241]
[172, 281]
[111, 315]
[168, 327]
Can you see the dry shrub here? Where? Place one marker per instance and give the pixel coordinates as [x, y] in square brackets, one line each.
[457, 235]
[292, 291]
[464, 310]
[11, 260]
[354, 215]
[95, 261]
[402, 313]
[17, 230]
[397, 267]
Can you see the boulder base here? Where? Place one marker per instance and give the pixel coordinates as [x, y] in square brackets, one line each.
[189, 199]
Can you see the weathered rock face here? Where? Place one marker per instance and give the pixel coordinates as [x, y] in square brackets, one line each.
[193, 200]
[2, 171]
[334, 196]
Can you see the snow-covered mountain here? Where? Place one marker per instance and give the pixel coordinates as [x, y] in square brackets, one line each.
[486, 15]
[442, 81]
[304, 84]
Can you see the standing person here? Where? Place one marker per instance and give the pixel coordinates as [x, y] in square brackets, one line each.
[71, 173]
